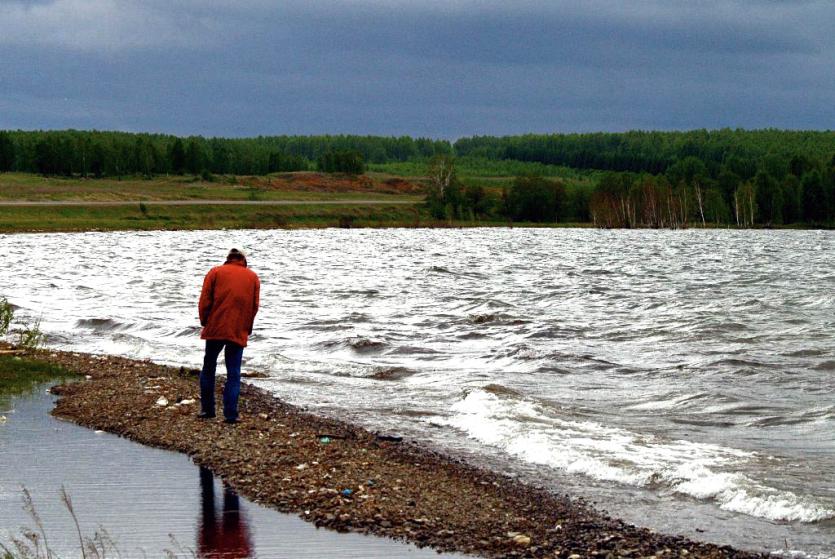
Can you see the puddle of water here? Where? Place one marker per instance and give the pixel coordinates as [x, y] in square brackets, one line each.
[143, 497]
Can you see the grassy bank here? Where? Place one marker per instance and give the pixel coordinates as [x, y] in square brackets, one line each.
[352, 192]
[19, 374]
[315, 192]
[162, 217]
[279, 186]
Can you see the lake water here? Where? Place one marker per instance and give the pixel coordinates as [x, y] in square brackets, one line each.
[681, 379]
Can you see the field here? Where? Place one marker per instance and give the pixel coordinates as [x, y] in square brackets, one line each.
[387, 196]
[490, 173]
[284, 186]
[281, 200]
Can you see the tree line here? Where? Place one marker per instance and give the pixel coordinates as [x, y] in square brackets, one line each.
[529, 198]
[114, 154]
[801, 191]
[684, 196]
[741, 151]
[643, 179]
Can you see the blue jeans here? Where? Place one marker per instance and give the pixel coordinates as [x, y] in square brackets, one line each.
[233, 355]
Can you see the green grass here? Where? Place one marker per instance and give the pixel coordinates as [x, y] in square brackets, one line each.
[18, 375]
[304, 187]
[156, 217]
[468, 167]
[282, 186]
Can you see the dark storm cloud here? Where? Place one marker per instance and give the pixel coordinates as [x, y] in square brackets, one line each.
[428, 68]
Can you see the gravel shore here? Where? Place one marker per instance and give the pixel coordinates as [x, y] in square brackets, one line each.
[343, 477]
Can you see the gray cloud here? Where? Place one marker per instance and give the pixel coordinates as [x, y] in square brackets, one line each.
[431, 68]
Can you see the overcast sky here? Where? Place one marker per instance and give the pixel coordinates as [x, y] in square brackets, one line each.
[423, 68]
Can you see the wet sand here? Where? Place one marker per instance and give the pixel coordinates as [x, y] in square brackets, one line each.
[354, 480]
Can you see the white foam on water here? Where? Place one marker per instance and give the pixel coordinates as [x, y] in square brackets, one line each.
[526, 430]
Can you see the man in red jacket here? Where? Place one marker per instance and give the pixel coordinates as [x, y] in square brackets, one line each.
[228, 304]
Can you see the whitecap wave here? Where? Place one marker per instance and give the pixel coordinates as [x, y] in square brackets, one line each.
[526, 430]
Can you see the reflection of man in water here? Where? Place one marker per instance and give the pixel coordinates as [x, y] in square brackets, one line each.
[228, 539]
[228, 304]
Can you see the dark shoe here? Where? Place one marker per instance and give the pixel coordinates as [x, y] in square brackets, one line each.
[230, 420]
[204, 415]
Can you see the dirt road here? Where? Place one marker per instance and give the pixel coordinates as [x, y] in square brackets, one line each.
[16, 203]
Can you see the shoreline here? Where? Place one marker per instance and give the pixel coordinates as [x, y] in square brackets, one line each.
[148, 501]
[353, 481]
[371, 223]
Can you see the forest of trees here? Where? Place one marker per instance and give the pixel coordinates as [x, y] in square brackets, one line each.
[114, 154]
[802, 191]
[678, 179]
[529, 198]
[643, 179]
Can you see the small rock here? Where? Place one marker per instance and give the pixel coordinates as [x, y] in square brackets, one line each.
[163, 401]
[522, 540]
[301, 467]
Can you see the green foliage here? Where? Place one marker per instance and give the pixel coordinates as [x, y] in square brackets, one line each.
[18, 375]
[535, 199]
[7, 152]
[195, 159]
[73, 152]
[815, 203]
[705, 170]
[30, 336]
[282, 163]
[177, 156]
[6, 316]
[445, 197]
[769, 198]
[743, 151]
[473, 167]
[349, 161]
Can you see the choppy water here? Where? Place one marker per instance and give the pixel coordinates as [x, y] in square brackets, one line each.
[682, 379]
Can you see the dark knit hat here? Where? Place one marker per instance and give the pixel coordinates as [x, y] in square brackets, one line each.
[235, 254]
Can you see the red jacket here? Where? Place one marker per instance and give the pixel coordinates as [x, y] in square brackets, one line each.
[228, 303]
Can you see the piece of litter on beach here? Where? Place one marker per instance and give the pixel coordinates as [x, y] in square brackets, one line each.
[88, 377]
[301, 467]
[163, 401]
[186, 402]
[97, 432]
[2, 419]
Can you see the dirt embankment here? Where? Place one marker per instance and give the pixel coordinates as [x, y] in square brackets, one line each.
[339, 183]
[346, 478]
